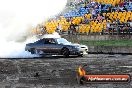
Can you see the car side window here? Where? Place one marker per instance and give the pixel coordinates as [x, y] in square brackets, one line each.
[40, 41]
[49, 41]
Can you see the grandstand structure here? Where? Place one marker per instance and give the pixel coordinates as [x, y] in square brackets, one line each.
[93, 16]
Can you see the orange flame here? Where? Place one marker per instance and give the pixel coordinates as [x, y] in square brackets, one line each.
[81, 71]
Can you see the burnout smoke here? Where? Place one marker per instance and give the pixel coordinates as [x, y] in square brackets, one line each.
[18, 17]
[54, 35]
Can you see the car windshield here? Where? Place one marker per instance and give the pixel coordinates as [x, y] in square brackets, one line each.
[63, 41]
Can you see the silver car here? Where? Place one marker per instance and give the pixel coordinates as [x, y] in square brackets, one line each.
[53, 46]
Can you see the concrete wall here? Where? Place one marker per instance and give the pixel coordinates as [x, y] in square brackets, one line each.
[110, 49]
[103, 49]
[104, 37]
[97, 37]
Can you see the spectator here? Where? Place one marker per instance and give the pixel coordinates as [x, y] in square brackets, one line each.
[43, 30]
[108, 25]
[93, 13]
[129, 19]
[100, 6]
[124, 8]
[109, 9]
[72, 28]
[118, 9]
[114, 20]
[85, 21]
[118, 21]
[92, 2]
[59, 28]
[118, 28]
[85, 5]
[99, 17]
[69, 19]
[121, 4]
[107, 17]
[96, 6]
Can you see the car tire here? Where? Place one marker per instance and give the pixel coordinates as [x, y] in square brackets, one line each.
[81, 55]
[36, 51]
[39, 52]
[65, 52]
[32, 51]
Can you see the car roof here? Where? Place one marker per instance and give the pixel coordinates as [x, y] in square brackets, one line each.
[50, 38]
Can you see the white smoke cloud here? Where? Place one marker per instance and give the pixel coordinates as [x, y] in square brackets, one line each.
[54, 35]
[17, 17]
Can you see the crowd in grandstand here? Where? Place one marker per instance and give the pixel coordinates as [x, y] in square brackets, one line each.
[93, 16]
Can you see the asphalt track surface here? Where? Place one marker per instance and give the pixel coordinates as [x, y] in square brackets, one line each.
[58, 72]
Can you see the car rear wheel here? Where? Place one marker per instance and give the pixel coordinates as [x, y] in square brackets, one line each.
[32, 51]
[39, 52]
[36, 51]
[65, 52]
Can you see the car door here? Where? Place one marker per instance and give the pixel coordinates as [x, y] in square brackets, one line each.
[51, 46]
[39, 45]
